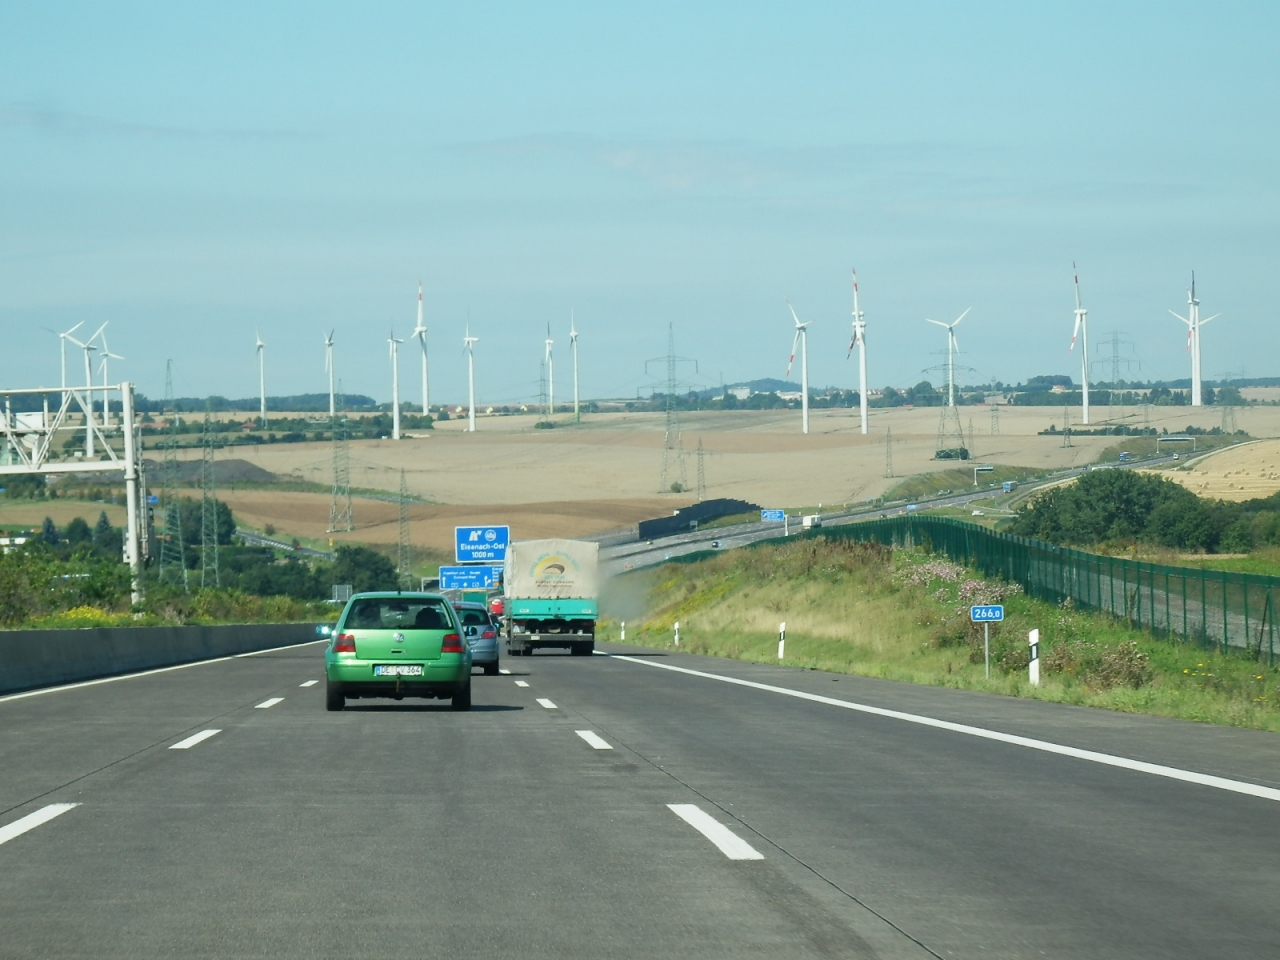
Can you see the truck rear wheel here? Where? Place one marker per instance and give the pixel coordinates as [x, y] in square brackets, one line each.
[583, 649]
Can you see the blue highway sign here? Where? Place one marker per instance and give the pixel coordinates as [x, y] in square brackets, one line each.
[772, 516]
[987, 613]
[469, 578]
[480, 544]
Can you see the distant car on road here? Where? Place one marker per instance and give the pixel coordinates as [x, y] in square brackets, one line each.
[480, 630]
[716, 544]
[397, 645]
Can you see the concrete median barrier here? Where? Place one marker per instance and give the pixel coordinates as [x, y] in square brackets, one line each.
[42, 658]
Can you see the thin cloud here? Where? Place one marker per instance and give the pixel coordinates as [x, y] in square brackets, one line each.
[55, 122]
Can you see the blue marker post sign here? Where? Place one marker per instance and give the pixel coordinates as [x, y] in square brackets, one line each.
[469, 578]
[986, 614]
[480, 544]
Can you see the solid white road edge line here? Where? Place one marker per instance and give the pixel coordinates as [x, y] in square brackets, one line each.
[268, 703]
[1107, 759]
[33, 820]
[195, 738]
[521, 683]
[730, 844]
[594, 739]
[309, 683]
[543, 702]
[147, 673]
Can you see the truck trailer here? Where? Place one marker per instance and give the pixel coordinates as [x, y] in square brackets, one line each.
[550, 590]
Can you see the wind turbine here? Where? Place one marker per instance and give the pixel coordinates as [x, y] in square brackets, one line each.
[468, 342]
[262, 379]
[952, 349]
[551, 376]
[1082, 331]
[1194, 323]
[62, 341]
[88, 348]
[802, 338]
[395, 384]
[420, 331]
[573, 345]
[328, 365]
[859, 340]
[107, 356]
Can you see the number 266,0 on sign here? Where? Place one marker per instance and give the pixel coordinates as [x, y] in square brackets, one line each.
[986, 613]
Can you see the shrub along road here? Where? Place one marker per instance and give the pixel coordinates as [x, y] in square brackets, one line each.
[590, 808]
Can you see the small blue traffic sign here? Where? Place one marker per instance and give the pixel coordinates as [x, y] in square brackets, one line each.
[772, 516]
[986, 613]
[469, 578]
[152, 498]
[480, 544]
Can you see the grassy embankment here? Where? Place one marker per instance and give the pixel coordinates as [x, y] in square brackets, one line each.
[903, 615]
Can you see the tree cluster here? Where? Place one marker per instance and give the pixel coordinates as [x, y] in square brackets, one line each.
[1124, 506]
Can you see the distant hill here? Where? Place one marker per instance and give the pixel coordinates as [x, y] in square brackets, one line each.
[299, 403]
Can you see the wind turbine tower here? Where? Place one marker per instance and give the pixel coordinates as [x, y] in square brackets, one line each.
[107, 357]
[1082, 331]
[952, 349]
[420, 331]
[62, 341]
[551, 376]
[88, 348]
[859, 341]
[1194, 323]
[328, 365]
[394, 344]
[801, 338]
[262, 380]
[469, 343]
[573, 346]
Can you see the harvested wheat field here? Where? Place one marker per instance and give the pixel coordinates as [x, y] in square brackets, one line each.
[30, 514]
[611, 464]
[1236, 473]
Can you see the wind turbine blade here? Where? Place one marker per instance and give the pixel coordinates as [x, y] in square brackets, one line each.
[962, 316]
[73, 329]
[794, 341]
[793, 313]
[1205, 320]
[1180, 317]
[936, 323]
[97, 333]
[1075, 333]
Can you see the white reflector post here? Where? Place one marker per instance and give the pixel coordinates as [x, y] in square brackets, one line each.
[1033, 668]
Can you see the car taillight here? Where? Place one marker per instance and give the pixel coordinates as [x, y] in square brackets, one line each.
[344, 643]
[452, 643]
[488, 635]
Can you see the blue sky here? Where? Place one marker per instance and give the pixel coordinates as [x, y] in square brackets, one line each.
[193, 173]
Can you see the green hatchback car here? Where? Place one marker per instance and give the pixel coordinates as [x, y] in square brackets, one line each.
[397, 645]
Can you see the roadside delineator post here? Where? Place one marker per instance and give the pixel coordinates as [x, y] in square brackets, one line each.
[782, 638]
[677, 633]
[1033, 668]
[624, 632]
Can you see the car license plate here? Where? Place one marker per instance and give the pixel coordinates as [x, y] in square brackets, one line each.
[397, 670]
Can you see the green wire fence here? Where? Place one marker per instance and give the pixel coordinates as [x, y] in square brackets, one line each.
[1225, 611]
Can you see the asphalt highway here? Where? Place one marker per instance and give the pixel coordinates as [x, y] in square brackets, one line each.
[634, 804]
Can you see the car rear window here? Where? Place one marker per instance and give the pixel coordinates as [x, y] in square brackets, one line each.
[390, 613]
[473, 618]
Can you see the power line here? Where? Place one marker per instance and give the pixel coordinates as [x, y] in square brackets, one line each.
[173, 567]
[208, 511]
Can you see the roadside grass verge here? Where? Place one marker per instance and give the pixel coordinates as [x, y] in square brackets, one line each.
[903, 615]
[959, 480]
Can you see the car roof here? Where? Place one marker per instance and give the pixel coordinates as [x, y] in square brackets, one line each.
[396, 595]
[469, 605]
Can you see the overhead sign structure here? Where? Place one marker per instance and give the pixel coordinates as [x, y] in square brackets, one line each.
[480, 544]
[469, 578]
[987, 613]
[772, 516]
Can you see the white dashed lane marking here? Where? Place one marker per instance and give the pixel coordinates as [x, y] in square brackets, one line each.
[594, 739]
[504, 671]
[521, 683]
[268, 703]
[730, 844]
[309, 683]
[546, 703]
[195, 738]
[33, 820]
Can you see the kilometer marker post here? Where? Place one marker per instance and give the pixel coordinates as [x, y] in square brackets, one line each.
[986, 614]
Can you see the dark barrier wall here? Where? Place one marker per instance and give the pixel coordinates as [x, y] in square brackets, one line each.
[42, 658]
[688, 518]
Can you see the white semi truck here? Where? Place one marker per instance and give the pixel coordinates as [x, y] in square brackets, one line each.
[550, 590]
